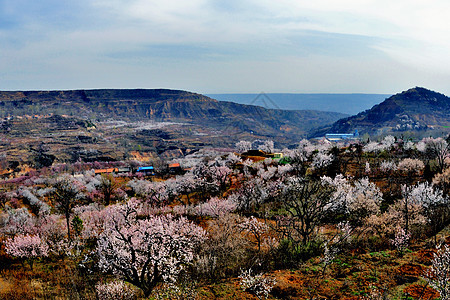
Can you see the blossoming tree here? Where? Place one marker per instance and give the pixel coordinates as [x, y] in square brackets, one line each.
[148, 251]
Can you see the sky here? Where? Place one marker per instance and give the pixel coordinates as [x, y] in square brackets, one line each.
[231, 46]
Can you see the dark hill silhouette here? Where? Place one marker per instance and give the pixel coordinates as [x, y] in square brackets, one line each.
[416, 109]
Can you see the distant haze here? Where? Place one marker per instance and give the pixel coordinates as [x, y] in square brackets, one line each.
[351, 104]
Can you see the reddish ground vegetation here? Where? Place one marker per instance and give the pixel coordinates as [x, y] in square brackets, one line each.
[419, 291]
[425, 256]
[411, 269]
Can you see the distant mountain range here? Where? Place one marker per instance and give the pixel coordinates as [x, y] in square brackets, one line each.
[110, 124]
[343, 103]
[415, 110]
[41, 127]
[162, 105]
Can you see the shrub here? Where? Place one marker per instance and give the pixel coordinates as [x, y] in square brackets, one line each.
[258, 285]
[114, 290]
[289, 254]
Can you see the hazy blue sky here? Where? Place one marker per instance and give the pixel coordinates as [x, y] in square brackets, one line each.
[211, 46]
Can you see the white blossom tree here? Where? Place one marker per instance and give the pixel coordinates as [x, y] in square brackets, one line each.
[322, 160]
[411, 165]
[436, 148]
[114, 290]
[16, 221]
[243, 146]
[438, 276]
[431, 202]
[358, 201]
[388, 166]
[257, 284]
[365, 199]
[267, 146]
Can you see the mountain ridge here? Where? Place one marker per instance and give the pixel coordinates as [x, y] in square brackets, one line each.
[416, 109]
[112, 124]
[110, 95]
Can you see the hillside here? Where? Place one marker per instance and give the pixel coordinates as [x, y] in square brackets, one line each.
[158, 105]
[109, 125]
[415, 110]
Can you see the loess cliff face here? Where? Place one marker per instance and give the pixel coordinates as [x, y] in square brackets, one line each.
[112, 124]
[141, 104]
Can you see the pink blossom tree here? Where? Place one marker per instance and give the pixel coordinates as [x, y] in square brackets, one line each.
[215, 207]
[232, 159]
[26, 247]
[401, 241]
[185, 185]
[52, 229]
[148, 251]
[154, 194]
[221, 176]
[109, 189]
[93, 217]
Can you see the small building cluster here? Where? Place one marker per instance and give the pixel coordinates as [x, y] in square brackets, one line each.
[256, 155]
[173, 169]
[342, 137]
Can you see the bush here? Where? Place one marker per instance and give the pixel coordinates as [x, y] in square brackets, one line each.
[258, 285]
[115, 290]
[289, 254]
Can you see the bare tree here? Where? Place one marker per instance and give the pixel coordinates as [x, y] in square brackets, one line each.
[306, 202]
[66, 193]
[108, 187]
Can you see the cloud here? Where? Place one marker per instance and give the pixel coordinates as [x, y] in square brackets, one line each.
[95, 42]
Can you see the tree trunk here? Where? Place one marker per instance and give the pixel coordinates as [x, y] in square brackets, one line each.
[68, 225]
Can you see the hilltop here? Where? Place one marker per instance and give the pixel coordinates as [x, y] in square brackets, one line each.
[417, 109]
